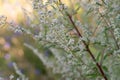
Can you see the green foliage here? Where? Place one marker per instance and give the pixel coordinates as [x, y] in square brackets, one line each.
[90, 42]
[34, 60]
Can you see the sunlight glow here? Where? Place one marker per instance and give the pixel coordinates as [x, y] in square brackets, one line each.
[13, 9]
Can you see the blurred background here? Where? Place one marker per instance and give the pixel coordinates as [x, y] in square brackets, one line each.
[11, 44]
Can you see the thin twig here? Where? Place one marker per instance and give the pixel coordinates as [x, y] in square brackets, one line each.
[108, 24]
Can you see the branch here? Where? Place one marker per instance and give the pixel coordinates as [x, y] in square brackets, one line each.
[19, 72]
[108, 24]
[87, 48]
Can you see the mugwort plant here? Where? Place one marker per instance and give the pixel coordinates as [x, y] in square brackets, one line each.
[84, 38]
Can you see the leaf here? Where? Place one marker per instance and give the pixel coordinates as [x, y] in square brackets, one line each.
[77, 8]
[104, 2]
[93, 75]
[34, 60]
[98, 22]
[98, 57]
[105, 69]
[107, 54]
[89, 11]
[98, 4]
[49, 46]
[53, 7]
[76, 50]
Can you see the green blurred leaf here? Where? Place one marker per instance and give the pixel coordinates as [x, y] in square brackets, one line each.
[98, 56]
[89, 11]
[98, 4]
[34, 60]
[93, 76]
[105, 69]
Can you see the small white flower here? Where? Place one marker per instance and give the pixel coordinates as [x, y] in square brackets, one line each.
[71, 42]
[11, 77]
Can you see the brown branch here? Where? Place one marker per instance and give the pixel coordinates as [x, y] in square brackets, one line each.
[87, 48]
